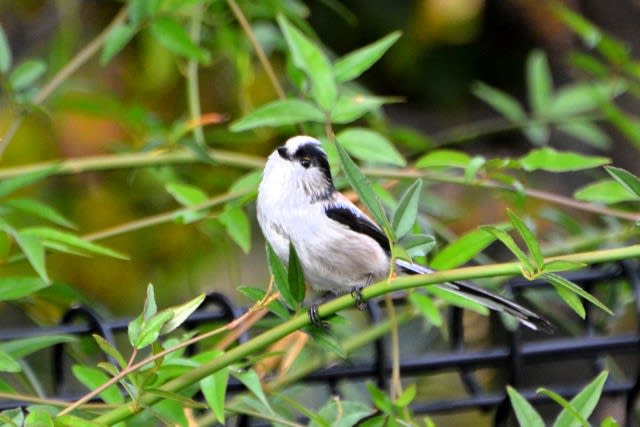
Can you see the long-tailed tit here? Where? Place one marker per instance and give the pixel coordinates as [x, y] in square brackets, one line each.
[339, 247]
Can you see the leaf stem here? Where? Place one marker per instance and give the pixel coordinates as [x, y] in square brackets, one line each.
[193, 87]
[402, 283]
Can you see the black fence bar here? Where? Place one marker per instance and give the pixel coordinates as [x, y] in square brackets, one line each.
[514, 358]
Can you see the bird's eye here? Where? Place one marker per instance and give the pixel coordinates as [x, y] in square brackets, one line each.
[305, 162]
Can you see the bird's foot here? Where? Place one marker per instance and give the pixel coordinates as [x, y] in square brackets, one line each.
[314, 317]
[356, 293]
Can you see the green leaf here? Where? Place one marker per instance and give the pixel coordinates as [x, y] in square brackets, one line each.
[295, 276]
[310, 58]
[425, 305]
[116, 40]
[9, 185]
[236, 224]
[12, 288]
[353, 64]
[380, 399]
[5, 52]
[457, 299]
[174, 37]
[626, 178]
[525, 413]
[407, 211]
[74, 421]
[328, 341]
[548, 159]
[584, 402]
[359, 183]
[151, 328]
[443, 158]
[572, 300]
[110, 350]
[473, 167]
[508, 241]
[26, 74]
[557, 280]
[539, 82]
[150, 307]
[184, 402]
[418, 244]
[38, 419]
[579, 419]
[93, 378]
[214, 389]
[604, 191]
[587, 132]
[628, 126]
[528, 237]
[8, 363]
[370, 146]
[22, 347]
[406, 397]
[583, 96]
[280, 278]
[559, 265]
[279, 113]
[502, 102]
[47, 235]
[464, 248]
[39, 209]
[180, 313]
[351, 107]
[33, 249]
[12, 417]
[185, 194]
[251, 380]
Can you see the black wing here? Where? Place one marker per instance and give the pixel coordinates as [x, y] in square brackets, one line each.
[358, 223]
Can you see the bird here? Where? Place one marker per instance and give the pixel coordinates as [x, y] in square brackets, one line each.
[339, 248]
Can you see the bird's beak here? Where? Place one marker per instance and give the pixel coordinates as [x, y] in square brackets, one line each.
[282, 151]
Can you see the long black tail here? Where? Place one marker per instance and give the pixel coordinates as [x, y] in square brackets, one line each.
[484, 297]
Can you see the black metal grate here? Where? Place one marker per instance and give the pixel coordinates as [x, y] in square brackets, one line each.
[517, 358]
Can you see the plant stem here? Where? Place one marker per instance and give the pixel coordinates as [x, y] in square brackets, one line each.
[193, 87]
[76, 62]
[402, 283]
[262, 57]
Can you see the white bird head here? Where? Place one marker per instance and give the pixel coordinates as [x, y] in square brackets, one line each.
[300, 167]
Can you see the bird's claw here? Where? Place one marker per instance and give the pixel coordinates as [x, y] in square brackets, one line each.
[356, 293]
[314, 317]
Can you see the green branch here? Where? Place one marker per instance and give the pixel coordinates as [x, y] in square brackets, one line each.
[402, 283]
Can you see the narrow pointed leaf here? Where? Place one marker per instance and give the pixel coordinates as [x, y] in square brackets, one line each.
[8, 363]
[280, 277]
[33, 249]
[528, 237]
[443, 158]
[626, 178]
[22, 347]
[370, 146]
[407, 211]
[605, 191]
[539, 82]
[587, 132]
[310, 58]
[26, 74]
[584, 402]
[360, 183]
[508, 241]
[214, 389]
[500, 101]
[464, 248]
[110, 350]
[551, 160]
[251, 380]
[578, 419]
[279, 113]
[5, 52]
[12, 288]
[353, 64]
[37, 208]
[46, 234]
[180, 313]
[295, 276]
[561, 281]
[116, 40]
[353, 106]
[93, 378]
[525, 413]
[428, 309]
[9, 185]
[175, 38]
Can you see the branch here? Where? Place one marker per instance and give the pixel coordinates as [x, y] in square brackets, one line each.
[402, 283]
